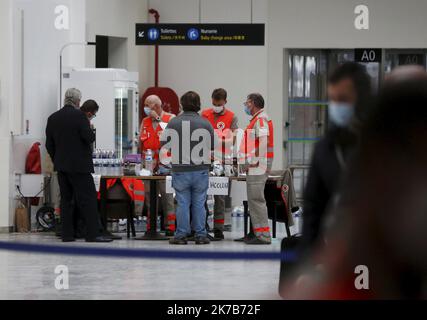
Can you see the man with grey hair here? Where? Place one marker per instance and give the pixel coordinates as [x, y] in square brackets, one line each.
[68, 142]
[151, 129]
[257, 151]
[73, 97]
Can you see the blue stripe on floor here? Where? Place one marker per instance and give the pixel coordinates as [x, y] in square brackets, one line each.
[144, 253]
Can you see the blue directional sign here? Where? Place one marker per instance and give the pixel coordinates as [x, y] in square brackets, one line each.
[198, 34]
[193, 34]
[153, 34]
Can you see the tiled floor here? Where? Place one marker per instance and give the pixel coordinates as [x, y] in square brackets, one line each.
[32, 276]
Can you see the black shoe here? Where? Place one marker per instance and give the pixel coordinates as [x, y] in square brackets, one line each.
[169, 233]
[178, 241]
[68, 240]
[100, 240]
[257, 241]
[247, 237]
[191, 237]
[218, 234]
[212, 238]
[111, 236]
[202, 240]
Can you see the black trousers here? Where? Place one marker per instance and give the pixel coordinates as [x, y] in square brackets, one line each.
[80, 189]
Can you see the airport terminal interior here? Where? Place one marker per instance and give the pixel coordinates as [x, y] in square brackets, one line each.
[144, 64]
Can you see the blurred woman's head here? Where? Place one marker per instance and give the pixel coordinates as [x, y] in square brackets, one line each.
[399, 119]
[389, 181]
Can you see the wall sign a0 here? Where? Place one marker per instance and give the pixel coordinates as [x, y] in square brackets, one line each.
[368, 55]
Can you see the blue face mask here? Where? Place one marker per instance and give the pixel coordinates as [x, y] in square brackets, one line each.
[147, 111]
[340, 114]
[248, 111]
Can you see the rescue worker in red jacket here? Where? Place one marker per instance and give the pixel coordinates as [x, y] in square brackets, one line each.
[224, 122]
[257, 150]
[151, 129]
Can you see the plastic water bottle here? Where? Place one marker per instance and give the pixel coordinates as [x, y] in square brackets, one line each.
[211, 204]
[298, 222]
[117, 171]
[95, 161]
[149, 165]
[121, 164]
[104, 163]
[238, 212]
[144, 224]
[96, 166]
[159, 224]
[110, 163]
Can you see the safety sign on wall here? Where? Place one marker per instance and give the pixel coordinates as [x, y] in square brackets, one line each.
[229, 34]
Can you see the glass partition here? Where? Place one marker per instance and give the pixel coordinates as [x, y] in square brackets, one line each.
[123, 121]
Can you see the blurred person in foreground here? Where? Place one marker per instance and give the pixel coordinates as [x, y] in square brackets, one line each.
[349, 91]
[376, 244]
[191, 141]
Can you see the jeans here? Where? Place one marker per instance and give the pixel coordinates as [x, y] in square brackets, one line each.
[191, 189]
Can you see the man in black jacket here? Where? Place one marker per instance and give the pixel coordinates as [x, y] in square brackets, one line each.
[349, 93]
[68, 142]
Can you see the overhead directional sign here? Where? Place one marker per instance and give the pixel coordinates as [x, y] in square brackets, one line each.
[230, 34]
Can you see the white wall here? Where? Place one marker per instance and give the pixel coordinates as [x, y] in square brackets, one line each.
[42, 44]
[117, 18]
[240, 70]
[6, 80]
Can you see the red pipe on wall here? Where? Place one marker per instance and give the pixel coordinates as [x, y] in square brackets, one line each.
[156, 15]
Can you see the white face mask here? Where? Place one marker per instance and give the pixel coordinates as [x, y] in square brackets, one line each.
[218, 109]
[340, 114]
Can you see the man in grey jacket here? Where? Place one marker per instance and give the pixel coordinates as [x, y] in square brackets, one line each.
[191, 141]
